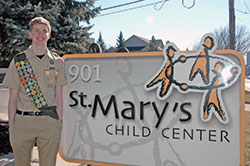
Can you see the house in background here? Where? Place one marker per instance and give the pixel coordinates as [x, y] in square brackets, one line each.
[111, 50]
[248, 59]
[138, 44]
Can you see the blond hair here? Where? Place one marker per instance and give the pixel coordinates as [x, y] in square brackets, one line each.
[39, 20]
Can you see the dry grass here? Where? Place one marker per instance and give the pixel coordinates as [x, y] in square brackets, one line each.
[247, 96]
[247, 132]
[247, 138]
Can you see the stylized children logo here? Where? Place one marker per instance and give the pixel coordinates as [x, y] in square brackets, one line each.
[202, 72]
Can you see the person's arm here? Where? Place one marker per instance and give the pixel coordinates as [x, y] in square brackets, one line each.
[12, 104]
[59, 101]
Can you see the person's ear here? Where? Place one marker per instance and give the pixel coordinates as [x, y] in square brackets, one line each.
[30, 34]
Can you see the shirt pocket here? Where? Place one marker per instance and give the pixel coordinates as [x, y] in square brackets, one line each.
[50, 77]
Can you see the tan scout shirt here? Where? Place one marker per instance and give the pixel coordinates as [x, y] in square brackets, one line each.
[45, 72]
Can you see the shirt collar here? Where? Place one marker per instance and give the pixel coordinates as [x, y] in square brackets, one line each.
[31, 54]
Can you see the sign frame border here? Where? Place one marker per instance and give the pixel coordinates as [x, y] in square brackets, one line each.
[154, 53]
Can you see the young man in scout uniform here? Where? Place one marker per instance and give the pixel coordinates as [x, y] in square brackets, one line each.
[35, 79]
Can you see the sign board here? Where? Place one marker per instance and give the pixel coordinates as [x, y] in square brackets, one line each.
[155, 108]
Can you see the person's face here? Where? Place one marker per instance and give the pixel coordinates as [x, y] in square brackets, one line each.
[39, 34]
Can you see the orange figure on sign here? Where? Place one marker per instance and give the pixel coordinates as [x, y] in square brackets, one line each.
[201, 64]
[166, 74]
[212, 98]
[180, 69]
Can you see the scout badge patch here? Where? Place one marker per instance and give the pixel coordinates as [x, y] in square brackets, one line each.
[50, 74]
[31, 86]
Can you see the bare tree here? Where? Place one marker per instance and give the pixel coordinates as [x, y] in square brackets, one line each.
[242, 39]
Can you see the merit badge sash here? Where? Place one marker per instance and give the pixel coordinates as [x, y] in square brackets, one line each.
[31, 85]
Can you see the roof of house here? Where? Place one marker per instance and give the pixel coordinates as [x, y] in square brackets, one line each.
[136, 41]
[111, 49]
[138, 44]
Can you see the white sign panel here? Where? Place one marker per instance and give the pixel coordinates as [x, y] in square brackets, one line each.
[155, 109]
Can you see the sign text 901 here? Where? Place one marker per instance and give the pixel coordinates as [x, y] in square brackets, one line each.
[85, 72]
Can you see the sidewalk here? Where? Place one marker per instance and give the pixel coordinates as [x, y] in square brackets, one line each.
[8, 160]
